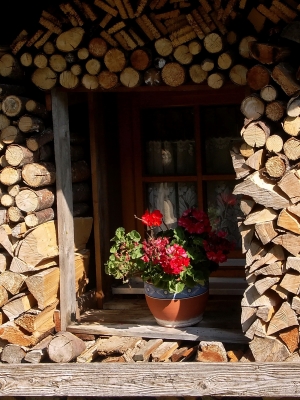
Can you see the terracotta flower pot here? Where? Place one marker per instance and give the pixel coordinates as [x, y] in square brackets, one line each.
[177, 309]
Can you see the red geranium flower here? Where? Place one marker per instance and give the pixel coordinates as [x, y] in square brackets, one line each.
[195, 221]
[152, 219]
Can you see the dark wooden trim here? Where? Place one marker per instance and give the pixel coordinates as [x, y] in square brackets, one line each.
[64, 199]
[99, 189]
[152, 379]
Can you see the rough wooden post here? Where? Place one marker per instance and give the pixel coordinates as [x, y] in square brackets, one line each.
[64, 207]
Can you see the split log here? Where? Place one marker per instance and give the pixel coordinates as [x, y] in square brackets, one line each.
[12, 281]
[290, 242]
[263, 215]
[39, 217]
[291, 281]
[276, 166]
[17, 155]
[10, 67]
[35, 142]
[225, 60]
[34, 319]
[97, 47]
[291, 149]
[262, 285]
[29, 123]
[293, 107]
[216, 80]
[44, 286]
[258, 77]
[5, 259]
[244, 50]
[253, 107]
[268, 349]
[285, 317]
[129, 77]
[89, 82]
[213, 43]
[68, 80]
[13, 106]
[262, 192]
[92, 66]
[12, 354]
[275, 110]
[140, 59]
[44, 78]
[115, 60]
[14, 214]
[44, 238]
[267, 53]
[3, 295]
[269, 93]
[10, 176]
[274, 144]
[257, 160]
[11, 134]
[65, 347]
[29, 200]
[291, 338]
[173, 74]
[238, 74]
[293, 263]
[255, 134]
[38, 174]
[207, 64]
[239, 165]
[39, 352]
[283, 74]
[18, 304]
[108, 80]
[290, 184]
[70, 39]
[163, 47]
[291, 125]
[7, 200]
[288, 221]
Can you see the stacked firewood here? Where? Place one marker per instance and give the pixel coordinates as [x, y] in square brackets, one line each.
[106, 43]
[64, 347]
[268, 164]
[29, 268]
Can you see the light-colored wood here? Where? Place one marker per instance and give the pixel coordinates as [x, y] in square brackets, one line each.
[64, 207]
[284, 76]
[34, 319]
[18, 304]
[291, 281]
[268, 349]
[285, 317]
[230, 379]
[261, 191]
[44, 286]
[164, 351]
[288, 221]
[65, 347]
[264, 215]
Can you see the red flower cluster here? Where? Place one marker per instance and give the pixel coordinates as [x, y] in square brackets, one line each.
[195, 221]
[152, 219]
[217, 247]
[173, 259]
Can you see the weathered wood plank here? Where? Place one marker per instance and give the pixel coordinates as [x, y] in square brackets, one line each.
[64, 206]
[152, 379]
[152, 331]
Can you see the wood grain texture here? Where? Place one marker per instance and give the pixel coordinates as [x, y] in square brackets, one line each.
[155, 379]
[64, 206]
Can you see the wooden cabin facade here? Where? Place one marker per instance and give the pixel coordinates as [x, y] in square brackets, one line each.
[177, 106]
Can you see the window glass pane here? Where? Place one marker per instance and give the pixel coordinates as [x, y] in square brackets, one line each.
[220, 131]
[168, 141]
[172, 199]
[224, 209]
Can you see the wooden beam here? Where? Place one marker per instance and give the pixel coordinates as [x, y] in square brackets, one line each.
[64, 207]
[251, 379]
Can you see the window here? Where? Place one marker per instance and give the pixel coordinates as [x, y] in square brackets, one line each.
[180, 156]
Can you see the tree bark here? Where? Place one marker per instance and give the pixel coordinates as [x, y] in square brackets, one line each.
[39, 174]
[17, 155]
[65, 347]
[29, 200]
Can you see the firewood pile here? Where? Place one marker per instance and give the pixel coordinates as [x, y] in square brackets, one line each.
[64, 347]
[107, 43]
[267, 163]
[29, 268]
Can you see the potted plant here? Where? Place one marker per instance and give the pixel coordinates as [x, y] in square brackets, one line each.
[174, 264]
